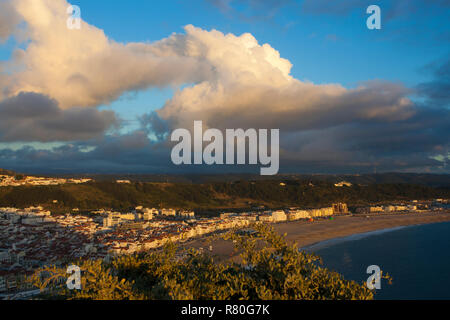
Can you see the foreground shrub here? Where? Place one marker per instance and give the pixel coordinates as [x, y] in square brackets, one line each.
[268, 269]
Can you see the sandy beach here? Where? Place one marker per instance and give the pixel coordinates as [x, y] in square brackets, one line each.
[307, 233]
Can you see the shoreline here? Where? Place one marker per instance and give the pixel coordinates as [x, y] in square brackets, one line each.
[354, 237]
[309, 235]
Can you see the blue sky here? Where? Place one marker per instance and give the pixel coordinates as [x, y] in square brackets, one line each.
[327, 42]
[396, 52]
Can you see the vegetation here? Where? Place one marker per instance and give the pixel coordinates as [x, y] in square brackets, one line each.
[211, 196]
[269, 269]
[7, 172]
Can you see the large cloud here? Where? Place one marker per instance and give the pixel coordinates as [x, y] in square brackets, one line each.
[252, 81]
[408, 145]
[83, 67]
[234, 75]
[34, 117]
[9, 19]
[351, 148]
[232, 81]
[437, 91]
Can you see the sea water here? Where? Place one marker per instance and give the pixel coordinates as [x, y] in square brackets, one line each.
[416, 257]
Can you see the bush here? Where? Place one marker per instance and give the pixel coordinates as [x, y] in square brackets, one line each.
[269, 269]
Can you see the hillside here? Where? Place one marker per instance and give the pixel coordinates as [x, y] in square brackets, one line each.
[212, 196]
[432, 180]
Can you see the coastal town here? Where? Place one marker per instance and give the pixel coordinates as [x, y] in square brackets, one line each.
[32, 237]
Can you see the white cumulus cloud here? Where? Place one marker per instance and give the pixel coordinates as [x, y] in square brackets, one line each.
[252, 86]
[84, 67]
[232, 80]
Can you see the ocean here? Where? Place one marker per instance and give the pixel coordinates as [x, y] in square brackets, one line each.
[416, 257]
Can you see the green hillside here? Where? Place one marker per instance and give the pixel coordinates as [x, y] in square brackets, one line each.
[242, 194]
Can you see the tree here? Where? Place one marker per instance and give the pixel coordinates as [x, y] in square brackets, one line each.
[269, 269]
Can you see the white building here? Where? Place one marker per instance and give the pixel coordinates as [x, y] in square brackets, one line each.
[147, 214]
[278, 216]
[168, 212]
[297, 214]
[343, 184]
[265, 218]
[115, 218]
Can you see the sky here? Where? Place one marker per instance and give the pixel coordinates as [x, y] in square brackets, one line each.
[105, 97]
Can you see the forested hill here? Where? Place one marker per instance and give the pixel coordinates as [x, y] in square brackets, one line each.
[242, 194]
[426, 179]
[432, 180]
